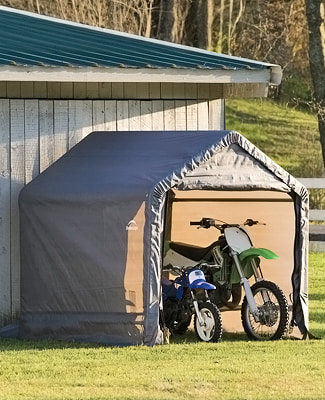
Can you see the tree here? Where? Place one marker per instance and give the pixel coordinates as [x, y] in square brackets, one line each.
[315, 13]
[204, 23]
[172, 16]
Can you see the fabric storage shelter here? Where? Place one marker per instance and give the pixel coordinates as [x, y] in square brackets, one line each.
[92, 228]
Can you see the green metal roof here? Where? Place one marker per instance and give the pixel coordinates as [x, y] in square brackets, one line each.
[29, 39]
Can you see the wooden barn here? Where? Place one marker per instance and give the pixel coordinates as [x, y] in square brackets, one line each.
[60, 81]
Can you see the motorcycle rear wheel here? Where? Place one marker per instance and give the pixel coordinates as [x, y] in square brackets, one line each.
[181, 328]
[223, 296]
[274, 314]
[211, 330]
[175, 317]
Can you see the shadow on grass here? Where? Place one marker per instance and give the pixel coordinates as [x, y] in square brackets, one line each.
[190, 337]
[8, 344]
[12, 344]
[316, 296]
[317, 316]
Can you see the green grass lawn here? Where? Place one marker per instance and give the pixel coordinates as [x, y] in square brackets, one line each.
[186, 369]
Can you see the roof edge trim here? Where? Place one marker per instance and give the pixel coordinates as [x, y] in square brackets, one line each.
[106, 74]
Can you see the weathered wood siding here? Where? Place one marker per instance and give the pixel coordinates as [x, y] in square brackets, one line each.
[34, 133]
[130, 90]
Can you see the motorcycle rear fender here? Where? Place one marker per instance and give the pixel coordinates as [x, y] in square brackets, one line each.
[245, 258]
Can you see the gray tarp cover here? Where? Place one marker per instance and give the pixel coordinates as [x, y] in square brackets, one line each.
[74, 238]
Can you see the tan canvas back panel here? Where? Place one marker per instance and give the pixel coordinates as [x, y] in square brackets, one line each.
[274, 209]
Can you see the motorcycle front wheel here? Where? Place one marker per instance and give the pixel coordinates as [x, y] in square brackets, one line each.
[273, 312]
[211, 329]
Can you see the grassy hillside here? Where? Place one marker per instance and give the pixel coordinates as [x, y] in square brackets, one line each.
[288, 136]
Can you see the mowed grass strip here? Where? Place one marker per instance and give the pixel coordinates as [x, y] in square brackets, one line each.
[233, 369]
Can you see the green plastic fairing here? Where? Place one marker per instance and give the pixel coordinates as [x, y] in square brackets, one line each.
[245, 259]
[257, 252]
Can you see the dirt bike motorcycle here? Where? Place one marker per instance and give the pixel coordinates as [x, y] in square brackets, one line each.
[185, 296]
[229, 263]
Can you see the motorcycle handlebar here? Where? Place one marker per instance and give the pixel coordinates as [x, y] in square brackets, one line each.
[177, 269]
[208, 222]
[204, 223]
[250, 222]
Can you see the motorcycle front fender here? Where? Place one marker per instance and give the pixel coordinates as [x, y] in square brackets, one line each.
[202, 285]
[257, 252]
[245, 258]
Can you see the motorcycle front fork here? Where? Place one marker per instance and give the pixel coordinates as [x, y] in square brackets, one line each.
[244, 282]
[196, 308]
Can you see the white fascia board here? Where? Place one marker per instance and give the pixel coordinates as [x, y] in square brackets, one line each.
[99, 74]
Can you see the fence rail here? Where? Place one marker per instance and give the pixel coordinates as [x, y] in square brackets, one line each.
[314, 183]
[316, 231]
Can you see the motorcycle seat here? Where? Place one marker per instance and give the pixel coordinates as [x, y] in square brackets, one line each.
[195, 253]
